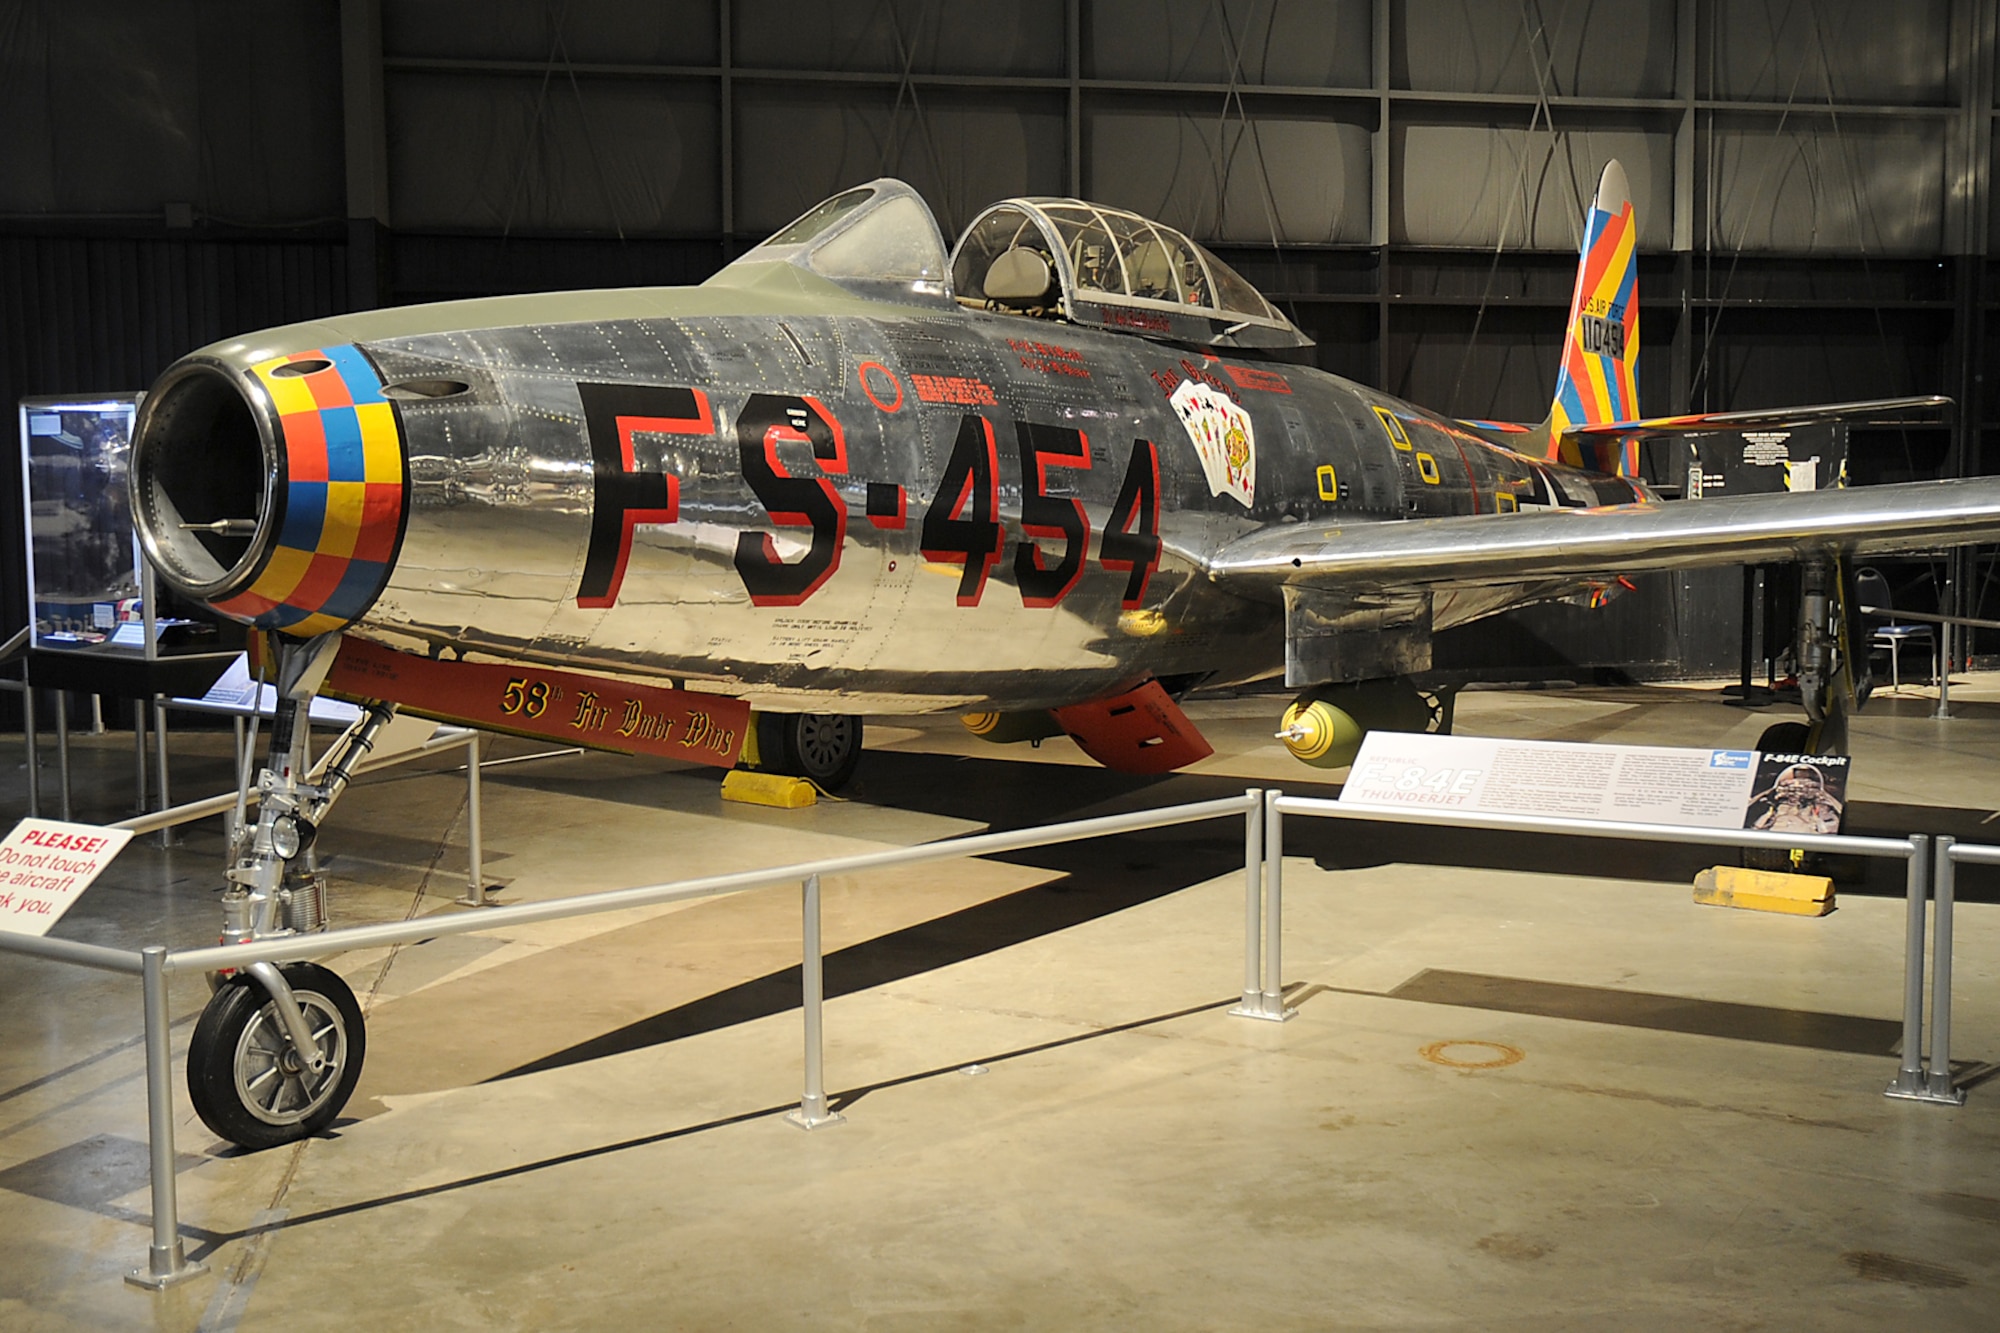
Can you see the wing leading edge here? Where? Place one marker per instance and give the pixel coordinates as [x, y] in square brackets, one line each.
[1492, 549]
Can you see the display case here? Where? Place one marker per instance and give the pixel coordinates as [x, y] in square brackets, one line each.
[86, 577]
[93, 622]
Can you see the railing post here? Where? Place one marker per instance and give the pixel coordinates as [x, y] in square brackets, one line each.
[62, 750]
[812, 1112]
[31, 743]
[1253, 897]
[167, 836]
[1943, 661]
[1271, 995]
[1909, 1082]
[1943, 887]
[167, 1263]
[139, 745]
[475, 874]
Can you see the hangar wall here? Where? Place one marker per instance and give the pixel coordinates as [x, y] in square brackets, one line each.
[1404, 176]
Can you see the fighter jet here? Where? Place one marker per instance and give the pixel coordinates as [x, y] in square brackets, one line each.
[1051, 480]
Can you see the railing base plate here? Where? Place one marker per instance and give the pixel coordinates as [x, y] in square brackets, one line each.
[1938, 1092]
[1258, 1011]
[812, 1122]
[179, 1270]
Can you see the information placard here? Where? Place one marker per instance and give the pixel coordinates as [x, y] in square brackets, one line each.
[45, 864]
[1634, 784]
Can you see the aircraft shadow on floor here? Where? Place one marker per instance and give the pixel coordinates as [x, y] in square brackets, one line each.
[1106, 875]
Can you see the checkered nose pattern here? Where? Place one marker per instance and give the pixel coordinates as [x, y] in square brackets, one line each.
[343, 494]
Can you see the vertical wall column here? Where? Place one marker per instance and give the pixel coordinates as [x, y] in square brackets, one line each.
[367, 151]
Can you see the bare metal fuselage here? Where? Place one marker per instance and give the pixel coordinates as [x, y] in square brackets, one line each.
[504, 486]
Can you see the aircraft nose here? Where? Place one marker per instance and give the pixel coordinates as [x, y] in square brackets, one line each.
[274, 491]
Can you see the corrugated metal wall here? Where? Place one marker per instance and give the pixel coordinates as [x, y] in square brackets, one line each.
[1813, 176]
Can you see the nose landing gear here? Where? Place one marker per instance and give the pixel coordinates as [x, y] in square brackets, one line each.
[277, 1051]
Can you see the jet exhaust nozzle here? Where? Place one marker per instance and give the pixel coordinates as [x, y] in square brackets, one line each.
[273, 490]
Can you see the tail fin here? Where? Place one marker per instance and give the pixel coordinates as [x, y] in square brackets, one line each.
[1599, 380]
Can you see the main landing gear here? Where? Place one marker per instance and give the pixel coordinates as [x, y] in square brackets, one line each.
[277, 1051]
[1833, 683]
[824, 748]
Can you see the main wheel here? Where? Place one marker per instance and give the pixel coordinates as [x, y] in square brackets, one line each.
[243, 1077]
[1784, 738]
[824, 747]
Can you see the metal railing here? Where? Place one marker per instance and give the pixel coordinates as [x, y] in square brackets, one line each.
[167, 1261]
[1914, 1080]
[1263, 982]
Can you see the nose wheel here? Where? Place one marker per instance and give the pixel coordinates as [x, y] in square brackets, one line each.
[245, 1079]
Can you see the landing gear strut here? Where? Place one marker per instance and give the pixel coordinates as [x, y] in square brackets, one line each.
[277, 1051]
[1828, 684]
[1833, 681]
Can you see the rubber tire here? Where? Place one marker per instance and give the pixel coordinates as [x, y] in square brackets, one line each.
[822, 747]
[218, 1038]
[1784, 738]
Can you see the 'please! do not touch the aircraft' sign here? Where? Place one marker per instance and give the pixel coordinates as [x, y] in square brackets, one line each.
[45, 864]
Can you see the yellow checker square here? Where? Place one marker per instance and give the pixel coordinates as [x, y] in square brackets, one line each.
[289, 394]
[1427, 468]
[346, 503]
[1329, 482]
[381, 459]
[282, 574]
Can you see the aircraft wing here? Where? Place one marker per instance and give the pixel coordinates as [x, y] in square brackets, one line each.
[1877, 410]
[1470, 552]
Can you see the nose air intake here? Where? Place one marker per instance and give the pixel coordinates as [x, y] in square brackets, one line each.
[277, 492]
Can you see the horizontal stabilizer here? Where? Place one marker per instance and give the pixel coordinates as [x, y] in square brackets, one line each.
[1883, 411]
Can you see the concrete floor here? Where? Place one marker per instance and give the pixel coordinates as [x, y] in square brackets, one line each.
[1504, 1103]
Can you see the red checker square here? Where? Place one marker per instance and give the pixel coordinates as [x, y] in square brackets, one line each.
[305, 446]
[329, 389]
[381, 515]
[246, 604]
[322, 577]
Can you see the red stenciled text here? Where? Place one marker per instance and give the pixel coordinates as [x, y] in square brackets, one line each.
[953, 389]
[1049, 358]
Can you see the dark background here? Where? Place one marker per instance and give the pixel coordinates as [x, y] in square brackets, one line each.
[1405, 177]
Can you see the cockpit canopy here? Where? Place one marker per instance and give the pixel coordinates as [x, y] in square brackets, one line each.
[877, 240]
[1099, 265]
[1062, 258]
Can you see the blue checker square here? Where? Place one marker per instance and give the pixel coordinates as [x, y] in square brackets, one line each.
[357, 588]
[345, 460]
[305, 515]
[283, 617]
[363, 385]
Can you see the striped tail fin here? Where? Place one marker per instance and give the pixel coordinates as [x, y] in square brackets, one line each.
[1599, 380]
